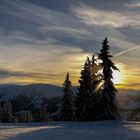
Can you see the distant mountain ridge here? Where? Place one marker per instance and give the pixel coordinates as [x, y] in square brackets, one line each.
[127, 99]
[46, 90]
[49, 90]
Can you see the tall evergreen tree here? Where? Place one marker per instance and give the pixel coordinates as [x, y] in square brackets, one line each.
[94, 98]
[108, 110]
[95, 76]
[84, 91]
[66, 111]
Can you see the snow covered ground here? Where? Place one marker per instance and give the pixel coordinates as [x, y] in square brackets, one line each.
[107, 130]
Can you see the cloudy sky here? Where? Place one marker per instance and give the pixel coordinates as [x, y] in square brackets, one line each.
[40, 40]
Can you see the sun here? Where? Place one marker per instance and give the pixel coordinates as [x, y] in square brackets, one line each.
[117, 77]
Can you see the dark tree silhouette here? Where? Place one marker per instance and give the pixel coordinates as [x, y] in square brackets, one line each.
[85, 104]
[66, 111]
[95, 75]
[108, 110]
[84, 91]
[94, 98]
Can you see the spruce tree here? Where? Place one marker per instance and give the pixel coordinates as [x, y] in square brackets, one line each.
[95, 76]
[66, 111]
[84, 92]
[94, 98]
[108, 108]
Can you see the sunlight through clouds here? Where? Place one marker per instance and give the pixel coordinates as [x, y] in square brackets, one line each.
[41, 42]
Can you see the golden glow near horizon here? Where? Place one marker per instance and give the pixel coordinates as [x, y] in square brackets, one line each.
[48, 68]
[53, 42]
[121, 78]
[125, 78]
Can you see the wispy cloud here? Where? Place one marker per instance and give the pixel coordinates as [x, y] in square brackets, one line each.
[92, 16]
[48, 62]
[6, 74]
[133, 5]
[39, 43]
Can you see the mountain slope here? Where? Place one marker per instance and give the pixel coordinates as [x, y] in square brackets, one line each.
[46, 90]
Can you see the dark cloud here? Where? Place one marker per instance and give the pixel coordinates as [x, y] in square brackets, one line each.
[7, 74]
[64, 5]
[132, 34]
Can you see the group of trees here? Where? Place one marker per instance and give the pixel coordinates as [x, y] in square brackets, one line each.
[23, 108]
[6, 112]
[96, 97]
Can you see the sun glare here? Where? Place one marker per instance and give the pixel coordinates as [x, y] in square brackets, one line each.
[117, 77]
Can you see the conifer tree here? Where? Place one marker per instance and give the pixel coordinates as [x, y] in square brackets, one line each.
[95, 76]
[93, 102]
[66, 111]
[108, 108]
[84, 92]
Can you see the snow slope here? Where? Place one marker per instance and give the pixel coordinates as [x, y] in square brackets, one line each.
[107, 130]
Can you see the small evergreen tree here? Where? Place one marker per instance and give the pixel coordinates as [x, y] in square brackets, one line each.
[108, 108]
[66, 112]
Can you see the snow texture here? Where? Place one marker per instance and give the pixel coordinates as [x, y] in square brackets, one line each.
[105, 130]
